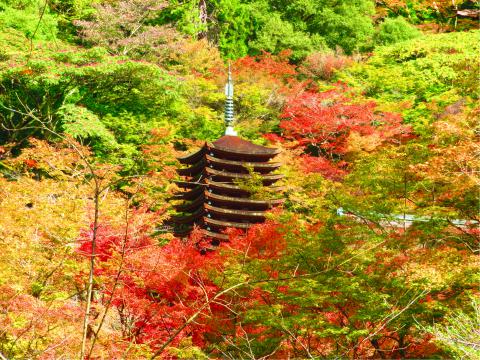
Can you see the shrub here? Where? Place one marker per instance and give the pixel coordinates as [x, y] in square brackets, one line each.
[395, 30]
[277, 35]
[323, 66]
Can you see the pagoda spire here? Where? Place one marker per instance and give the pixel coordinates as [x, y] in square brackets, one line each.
[229, 130]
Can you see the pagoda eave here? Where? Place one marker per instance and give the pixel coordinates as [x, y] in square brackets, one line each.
[215, 235]
[225, 224]
[193, 205]
[234, 155]
[193, 158]
[231, 175]
[189, 195]
[261, 167]
[235, 144]
[238, 201]
[231, 213]
[193, 170]
[189, 219]
[226, 188]
[192, 184]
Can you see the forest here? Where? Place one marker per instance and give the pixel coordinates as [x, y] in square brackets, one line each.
[374, 106]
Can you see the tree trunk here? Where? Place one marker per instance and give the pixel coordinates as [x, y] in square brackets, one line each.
[203, 15]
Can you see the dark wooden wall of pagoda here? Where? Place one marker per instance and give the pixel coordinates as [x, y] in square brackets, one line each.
[211, 196]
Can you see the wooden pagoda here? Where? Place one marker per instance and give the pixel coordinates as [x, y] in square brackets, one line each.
[212, 196]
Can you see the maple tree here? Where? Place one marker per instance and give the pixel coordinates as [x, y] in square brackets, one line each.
[328, 125]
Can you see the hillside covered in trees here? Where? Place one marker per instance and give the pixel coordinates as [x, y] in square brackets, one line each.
[373, 255]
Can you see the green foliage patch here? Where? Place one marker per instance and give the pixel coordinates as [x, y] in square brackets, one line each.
[24, 16]
[410, 74]
[394, 30]
[105, 101]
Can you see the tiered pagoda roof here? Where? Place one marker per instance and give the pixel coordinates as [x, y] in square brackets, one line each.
[212, 195]
[213, 198]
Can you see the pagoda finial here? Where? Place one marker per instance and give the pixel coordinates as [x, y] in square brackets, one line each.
[229, 105]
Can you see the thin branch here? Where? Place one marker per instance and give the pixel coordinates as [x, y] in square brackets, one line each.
[116, 281]
[36, 29]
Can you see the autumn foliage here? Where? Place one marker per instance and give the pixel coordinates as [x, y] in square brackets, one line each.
[328, 125]
[373, 254]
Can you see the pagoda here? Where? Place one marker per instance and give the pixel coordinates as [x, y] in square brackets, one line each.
[212, 195]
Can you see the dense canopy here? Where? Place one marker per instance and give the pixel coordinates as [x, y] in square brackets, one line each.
[370, 248]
